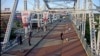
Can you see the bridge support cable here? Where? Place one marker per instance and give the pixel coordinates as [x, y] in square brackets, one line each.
[92, 29]
[10, 24]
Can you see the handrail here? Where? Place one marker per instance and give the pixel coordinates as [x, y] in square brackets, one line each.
[83, 41]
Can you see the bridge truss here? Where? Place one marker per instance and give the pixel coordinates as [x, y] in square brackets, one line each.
[78, 17]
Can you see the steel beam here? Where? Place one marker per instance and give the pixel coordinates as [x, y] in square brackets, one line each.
[92, 30]
[58, 0]
[98, 39]
[46, 3]
[10, 23]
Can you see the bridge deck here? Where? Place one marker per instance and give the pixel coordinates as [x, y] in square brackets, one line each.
[49, 43]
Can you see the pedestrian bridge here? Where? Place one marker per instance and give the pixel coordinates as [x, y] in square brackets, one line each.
[47, 24]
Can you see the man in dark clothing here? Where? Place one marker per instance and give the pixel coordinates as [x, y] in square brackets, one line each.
[61, 36]
[20, 40]
[29, 39]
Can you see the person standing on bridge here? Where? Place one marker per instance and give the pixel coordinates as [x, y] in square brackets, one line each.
[61, 35]
[29, 39]
[19, 39]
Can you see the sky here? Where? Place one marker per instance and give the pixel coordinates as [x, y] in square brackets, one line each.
[20, 7]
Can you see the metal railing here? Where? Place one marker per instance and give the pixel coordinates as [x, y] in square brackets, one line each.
[83, 41]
